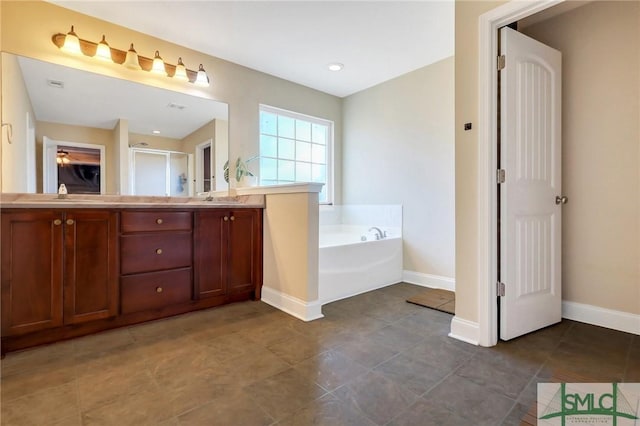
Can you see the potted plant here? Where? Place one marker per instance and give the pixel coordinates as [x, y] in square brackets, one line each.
[243, 175]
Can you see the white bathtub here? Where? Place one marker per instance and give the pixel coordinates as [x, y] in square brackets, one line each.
[350, 266]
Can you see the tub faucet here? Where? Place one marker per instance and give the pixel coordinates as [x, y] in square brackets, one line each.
[379, 234]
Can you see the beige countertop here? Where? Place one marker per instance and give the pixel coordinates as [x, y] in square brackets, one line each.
[35, 201]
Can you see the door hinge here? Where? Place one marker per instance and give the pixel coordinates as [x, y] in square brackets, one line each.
[502, 61]
[499, 289]
[500, 176]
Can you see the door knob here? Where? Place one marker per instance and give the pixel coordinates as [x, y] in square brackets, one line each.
[70, 222]
[159, 251]
[232, 218]
[226, 218]
[561, 200]
[57, 222]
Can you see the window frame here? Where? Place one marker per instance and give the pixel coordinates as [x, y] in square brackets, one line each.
[314, 120]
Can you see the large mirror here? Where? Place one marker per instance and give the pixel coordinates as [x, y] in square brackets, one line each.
[98, 134]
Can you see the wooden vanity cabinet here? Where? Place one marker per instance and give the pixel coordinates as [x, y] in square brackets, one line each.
[156, 259]
[68, 273]
[228, 253]
[58, 268]
[90, 265]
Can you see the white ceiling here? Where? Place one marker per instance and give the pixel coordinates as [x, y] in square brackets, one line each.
[94, 100]
[295, 40]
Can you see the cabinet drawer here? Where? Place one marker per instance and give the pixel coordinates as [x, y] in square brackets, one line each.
[155, 252]
[155, 290]
[155, 221]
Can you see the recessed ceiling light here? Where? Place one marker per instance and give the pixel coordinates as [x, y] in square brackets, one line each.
[155, 132]
[335, 66]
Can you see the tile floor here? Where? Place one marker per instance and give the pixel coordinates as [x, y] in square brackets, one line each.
[373, 360]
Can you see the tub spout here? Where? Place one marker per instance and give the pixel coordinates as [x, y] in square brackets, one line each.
[379, 234]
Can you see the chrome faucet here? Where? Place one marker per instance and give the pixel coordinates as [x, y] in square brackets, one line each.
[379, 234]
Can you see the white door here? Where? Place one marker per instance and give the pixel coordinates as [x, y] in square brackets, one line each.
[530, 219]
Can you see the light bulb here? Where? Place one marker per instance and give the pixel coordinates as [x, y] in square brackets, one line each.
[181, 71]
[71, 43]
[202, 79]
[103, 51]
[158, 64]
[131, 60]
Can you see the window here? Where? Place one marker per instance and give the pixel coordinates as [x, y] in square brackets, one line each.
[295, 148]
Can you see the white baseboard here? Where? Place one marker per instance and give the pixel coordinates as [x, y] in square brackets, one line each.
[306, 311]
[352, 293]
[465, 330]
[428, 280]
[595, 315]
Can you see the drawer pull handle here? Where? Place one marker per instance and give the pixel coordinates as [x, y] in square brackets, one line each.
[159, 221]
[70, 222]
[158, 251]
[57, 222]
[158, 289]
[232, 218]
[226, 218]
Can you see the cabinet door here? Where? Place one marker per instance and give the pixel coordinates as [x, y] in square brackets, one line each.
[210, 254]
[31, 271]
[90, 266]
[245, 248]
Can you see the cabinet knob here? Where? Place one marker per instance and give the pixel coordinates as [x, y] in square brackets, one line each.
[232, 218]
[159, 221]
[70, 222]
[158, 289]
[57, 222]
[158, 251]
[226, 218]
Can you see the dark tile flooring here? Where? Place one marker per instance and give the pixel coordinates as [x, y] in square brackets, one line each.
[373, 360]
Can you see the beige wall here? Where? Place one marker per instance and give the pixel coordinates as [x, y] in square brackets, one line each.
[203, 134]
[15, 106]
[156, 142]
[600, 151]
[27, 28]
[78, 134]
[398, 148]
[466, 107]
[291, 245]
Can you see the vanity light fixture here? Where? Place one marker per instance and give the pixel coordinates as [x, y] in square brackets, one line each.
[71, 42]
[130, 59]
[335, 66]
[158, 64]
[181, 72]
[103, 51]
[202, 79]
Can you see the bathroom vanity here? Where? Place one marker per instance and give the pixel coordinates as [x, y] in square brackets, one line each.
[90, 263]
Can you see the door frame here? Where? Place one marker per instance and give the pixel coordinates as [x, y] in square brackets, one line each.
[487, 257]
[49, 173]
[199, 154]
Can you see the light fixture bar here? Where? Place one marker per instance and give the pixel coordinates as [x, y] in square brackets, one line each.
[88, 48]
